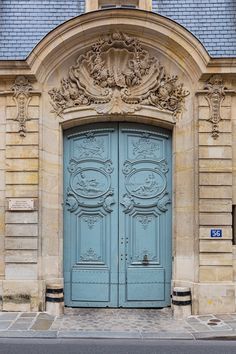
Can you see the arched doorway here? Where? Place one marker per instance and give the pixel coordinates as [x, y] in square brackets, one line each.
[117, 215]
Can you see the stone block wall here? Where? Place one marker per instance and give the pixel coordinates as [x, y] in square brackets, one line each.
[216, 288]
[2, 190]
[20, 288]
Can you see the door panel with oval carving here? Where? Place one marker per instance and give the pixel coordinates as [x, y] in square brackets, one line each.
[117, 224]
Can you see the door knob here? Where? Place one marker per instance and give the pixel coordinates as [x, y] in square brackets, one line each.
[145, 260]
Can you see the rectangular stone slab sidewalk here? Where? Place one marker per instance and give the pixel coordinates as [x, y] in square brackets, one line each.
[116, 323]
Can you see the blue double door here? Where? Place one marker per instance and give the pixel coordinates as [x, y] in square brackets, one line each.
[117, 216]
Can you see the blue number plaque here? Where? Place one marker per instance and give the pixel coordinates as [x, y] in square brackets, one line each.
[216, 233]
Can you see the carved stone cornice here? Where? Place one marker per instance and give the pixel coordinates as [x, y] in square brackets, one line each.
[117, 76]
[22, 95]
[215, 95]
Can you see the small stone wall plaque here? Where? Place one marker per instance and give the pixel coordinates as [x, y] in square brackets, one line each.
[21, 204]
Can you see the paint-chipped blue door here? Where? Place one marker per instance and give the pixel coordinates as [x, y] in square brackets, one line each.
[117, 216]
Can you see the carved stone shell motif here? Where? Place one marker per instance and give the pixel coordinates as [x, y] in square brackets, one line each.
[116, 76]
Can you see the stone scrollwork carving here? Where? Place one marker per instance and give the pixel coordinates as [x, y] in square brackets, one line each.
[117, 76]
[21, 95]
[215, 96]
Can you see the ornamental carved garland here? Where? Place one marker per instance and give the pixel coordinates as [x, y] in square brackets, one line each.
[117, 76]
[21, 89]
[215, 96]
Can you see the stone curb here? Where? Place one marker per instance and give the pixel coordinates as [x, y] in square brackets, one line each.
[214, 335]
[119, 335]
[28, 334]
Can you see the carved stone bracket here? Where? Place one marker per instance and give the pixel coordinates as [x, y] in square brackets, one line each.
[215, 96]
[117, 76]
[22, 97]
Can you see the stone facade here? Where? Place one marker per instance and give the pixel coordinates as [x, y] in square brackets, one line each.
[173, 83]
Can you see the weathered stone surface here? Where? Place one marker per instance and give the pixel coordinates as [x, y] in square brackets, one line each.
[216, 298]
[21, 256]
[35, 101]
[225, 139]
[218, 246]
[21, 271]
[215, 205]
[19, 217]
[2, 140]
[215, 152]
[2, 263]
[21, 230]
[22, 178]
[215, 219]
[225, 126]
[227, 102]
[202, 102]
[20, 243]
[2, 221]
[224, 259]
[33, 112]
[24, 294]
[22, 165]
[22, 191]
[16, 139]
[209, 165]
[226, 112]
[214, 179]
[215, 273]
[22, 152]
[212, 192]
[184, 267]
[13, 127]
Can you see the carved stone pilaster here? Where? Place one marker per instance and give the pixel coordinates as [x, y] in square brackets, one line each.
[215, 96]
[22, 97]
[118, 76]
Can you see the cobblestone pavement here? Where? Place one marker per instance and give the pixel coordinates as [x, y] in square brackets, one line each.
[116, 323]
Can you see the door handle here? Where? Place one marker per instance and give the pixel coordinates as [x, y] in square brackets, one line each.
[145, 260]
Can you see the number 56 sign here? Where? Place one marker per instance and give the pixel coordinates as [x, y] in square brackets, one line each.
[216, 233]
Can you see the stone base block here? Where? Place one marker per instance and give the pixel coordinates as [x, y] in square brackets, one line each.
[213, 298]
[23, 295]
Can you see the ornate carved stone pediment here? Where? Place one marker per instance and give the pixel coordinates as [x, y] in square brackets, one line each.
[117, 76]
